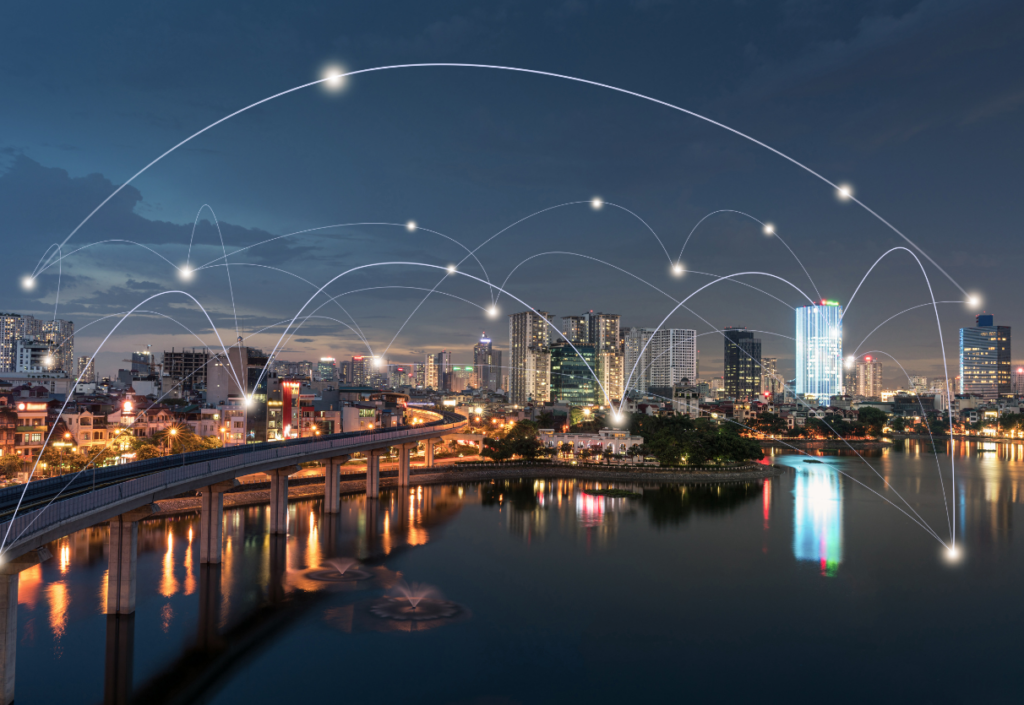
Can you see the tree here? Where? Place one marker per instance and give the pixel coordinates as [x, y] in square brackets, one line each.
[899, 424]
[873, 418]
[10, 465]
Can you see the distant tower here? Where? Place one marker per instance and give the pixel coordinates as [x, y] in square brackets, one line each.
[819, 351]
[985, 359]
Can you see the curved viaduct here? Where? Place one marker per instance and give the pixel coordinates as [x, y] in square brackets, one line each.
[124, 494]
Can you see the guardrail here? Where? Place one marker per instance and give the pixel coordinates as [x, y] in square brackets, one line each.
[157, 479]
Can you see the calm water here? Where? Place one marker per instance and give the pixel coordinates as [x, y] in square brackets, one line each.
[807, 587]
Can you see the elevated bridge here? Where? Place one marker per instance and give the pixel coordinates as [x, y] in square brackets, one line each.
[124, 494]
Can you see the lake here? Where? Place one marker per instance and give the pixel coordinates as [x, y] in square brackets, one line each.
[809, 586]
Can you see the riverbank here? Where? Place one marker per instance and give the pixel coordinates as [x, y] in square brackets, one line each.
[806, 444]
[474, 473]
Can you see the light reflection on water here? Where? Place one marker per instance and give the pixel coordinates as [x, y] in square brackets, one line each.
[474, 533]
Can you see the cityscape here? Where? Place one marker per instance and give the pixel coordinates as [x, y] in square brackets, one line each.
[538, 337]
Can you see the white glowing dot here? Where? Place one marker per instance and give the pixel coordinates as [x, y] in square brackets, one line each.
[769, 229]
[953, 554]
[844, 192]
[596, 203]
[28, 282]
[850, 360]
[677, 269]
[411, 226]
[333, 77]
[492, 311]
[451, 269]
[185, 272]
[48, 361]
[974, 300]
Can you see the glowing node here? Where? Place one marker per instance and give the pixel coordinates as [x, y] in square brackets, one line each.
[677, 269]
[769, 229]
[28, 282]
[953, 554]
[974, 300]
[492, 311]
[596, 203]
[185, 272]
[850, 360]
[48, 360]
[333, 77]
[411, 226]
[844, 192]
[451, 269]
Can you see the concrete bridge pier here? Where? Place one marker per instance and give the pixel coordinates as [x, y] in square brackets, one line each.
[404, 463]
[122, 551]
[9, 572]
[120, 659]
[278, 565]
[371, 525]
[428, 453]
[332, 484]
[279, 498]
[373, 474]
[211, 521]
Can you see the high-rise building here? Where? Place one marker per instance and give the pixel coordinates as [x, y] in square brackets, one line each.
[673, 357]
[186, 370]
[326, 369]
[742, 364]
[575, 329]
[59, 336]
[920, 384]
[345, 372]
[487, 362]
[443, 371]
[32, 356]
[142, 364]
[985, 359]
[771, 380]
[86, 369]
[819, 351]
[869, 377]
[419, 371]
[530, 360]
[361, 368]
[636, 359]
[1017, 382]
[572, 381]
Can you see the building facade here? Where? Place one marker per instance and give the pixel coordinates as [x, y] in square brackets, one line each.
[572, 381]
[869, 377]
[985, 359]
[742, 364]
[819, 351]
[529, 359]
[487, 362]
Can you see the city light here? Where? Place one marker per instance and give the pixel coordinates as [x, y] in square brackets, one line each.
[185, 273]
[596, 203]
[844, 192]
[411, 226]
[27, 283]
[769, 229]
[677, 269]
[335, 79]
[48, 360]
[248, 401]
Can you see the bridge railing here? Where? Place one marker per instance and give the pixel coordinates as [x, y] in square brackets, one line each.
[62, 510]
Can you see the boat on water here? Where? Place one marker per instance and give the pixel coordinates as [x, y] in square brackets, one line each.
[812, 460]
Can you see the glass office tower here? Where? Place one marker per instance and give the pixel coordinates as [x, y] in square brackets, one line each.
[819, 351]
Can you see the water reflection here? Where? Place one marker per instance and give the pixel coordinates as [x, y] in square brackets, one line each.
[818, 518]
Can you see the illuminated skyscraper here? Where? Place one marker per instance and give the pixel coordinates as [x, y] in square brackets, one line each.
[572, 381]
[742, 364]
[869, 377]
[819, 351]
[326, 369]
[487, 362]
[530, 360]
[985, 359]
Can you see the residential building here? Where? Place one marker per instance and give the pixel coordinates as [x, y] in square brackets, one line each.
[32, 356]
[673, 358]
[326, 369]
[742, 364]
[985, 359]
[920, 384]
[186, 370]
[771, 380]
[360, 369]
[636, 359]
[530, 361]
[87, 370]
[487, 361]
[869, 377]
[819, 351]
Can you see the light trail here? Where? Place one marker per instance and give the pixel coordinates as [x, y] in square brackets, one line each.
[768, 229]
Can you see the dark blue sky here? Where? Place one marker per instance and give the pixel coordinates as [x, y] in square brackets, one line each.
[917, 104]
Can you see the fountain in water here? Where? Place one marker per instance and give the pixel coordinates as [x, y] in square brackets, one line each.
[340, 570]
[415, 602]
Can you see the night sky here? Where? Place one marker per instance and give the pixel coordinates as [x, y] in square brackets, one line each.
[916, 104]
